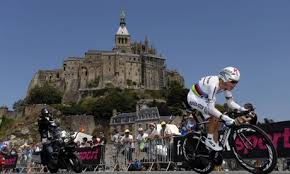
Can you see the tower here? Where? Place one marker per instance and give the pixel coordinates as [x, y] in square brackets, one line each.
[122, 37]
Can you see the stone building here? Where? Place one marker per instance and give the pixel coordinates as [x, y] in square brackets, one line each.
[134, 65]
[134, 120]
[173, 75]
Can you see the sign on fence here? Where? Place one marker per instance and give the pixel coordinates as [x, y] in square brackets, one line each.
[10, 161]
[278, 132]
[90, 155]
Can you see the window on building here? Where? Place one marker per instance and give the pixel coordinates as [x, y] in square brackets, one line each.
[126, 119]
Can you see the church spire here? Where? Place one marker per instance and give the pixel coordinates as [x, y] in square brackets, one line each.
[122, 28]
[122, 37]
[122, 18]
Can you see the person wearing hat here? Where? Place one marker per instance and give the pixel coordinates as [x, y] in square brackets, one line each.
[127, 142]
[165, 131]
[141, 139]
[152, 132]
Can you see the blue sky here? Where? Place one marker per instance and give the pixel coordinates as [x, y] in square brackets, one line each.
[197, 38]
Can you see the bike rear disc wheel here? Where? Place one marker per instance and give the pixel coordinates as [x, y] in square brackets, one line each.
[253, 149]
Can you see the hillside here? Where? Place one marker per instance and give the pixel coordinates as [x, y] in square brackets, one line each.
[23, 129]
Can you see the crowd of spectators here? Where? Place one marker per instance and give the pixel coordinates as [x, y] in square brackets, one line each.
[94, 141]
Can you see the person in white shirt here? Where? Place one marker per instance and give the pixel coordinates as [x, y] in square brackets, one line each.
[141, 138]
[152, 132]
[165, 132]
[202, 97]
[141, 141]
[127, 142]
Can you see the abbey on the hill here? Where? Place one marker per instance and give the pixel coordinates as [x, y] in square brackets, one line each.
[133, 65]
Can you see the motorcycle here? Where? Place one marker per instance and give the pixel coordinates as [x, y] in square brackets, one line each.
[64, 155]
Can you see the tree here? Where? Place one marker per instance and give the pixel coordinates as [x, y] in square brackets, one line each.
[87, 104]
[19, 105]
[176, 98]
[45, 94]
[94, 83]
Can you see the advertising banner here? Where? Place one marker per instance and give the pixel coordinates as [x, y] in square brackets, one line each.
[278, 132]
[90, 155]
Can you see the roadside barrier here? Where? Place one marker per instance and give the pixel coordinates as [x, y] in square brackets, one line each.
[155, 154]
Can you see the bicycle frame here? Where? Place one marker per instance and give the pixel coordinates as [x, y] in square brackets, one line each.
[225, 134]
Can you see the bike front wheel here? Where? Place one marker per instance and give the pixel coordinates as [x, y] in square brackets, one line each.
[198, 157]
[253, 149]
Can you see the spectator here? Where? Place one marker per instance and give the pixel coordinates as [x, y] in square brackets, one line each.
[103, 139]
[141, 141]
[127, 142]
[152, 132]
[94, 141]
[85, 142]
[116, 140]
[190, 124]
[182, 126]
[165, 132]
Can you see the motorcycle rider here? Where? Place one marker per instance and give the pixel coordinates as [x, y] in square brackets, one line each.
[202, 97]
[49, 131]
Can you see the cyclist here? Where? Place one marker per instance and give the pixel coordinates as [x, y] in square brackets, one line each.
[202, 97]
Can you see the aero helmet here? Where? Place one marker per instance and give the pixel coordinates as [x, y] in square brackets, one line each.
[230, 74]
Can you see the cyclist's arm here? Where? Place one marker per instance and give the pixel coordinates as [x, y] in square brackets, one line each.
[212, 110]
[231, 103]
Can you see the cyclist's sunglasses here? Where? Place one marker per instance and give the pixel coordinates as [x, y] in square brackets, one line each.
[234, 81]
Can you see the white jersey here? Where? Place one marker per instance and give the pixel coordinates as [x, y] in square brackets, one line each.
[206, 90]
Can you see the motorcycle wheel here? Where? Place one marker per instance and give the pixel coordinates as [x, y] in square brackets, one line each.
[75, 163]
[52, 166]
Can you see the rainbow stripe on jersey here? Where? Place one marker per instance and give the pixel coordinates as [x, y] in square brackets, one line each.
[198, 92]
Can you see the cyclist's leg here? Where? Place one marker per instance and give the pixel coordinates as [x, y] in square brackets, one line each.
[201, 105]
[198, 103]
[213, 126]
